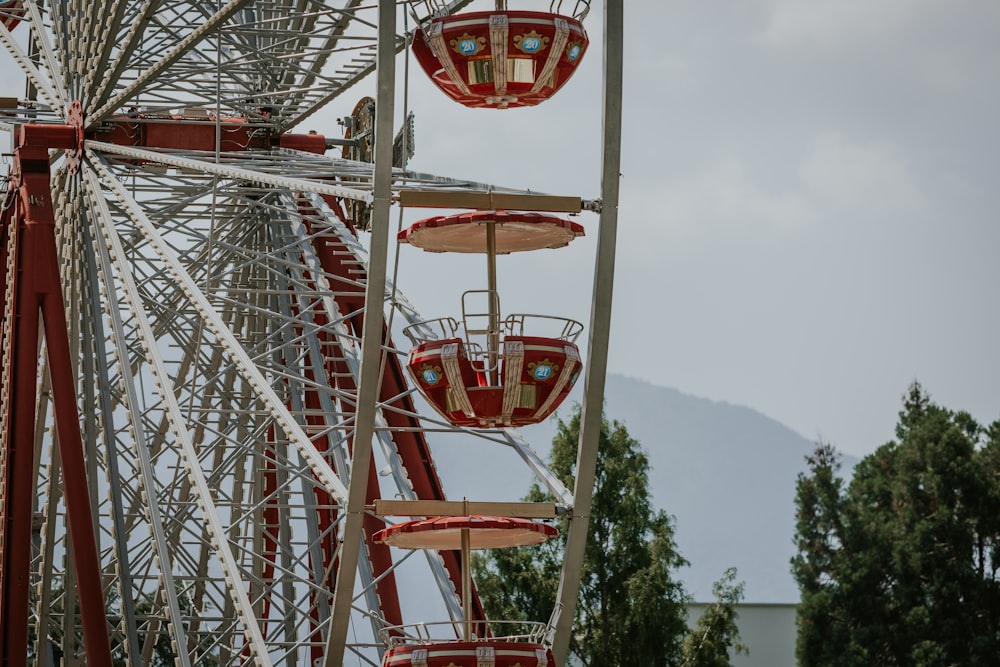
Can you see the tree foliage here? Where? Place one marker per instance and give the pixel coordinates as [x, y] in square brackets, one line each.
[630, 611]
[709, 643]
[900, 566]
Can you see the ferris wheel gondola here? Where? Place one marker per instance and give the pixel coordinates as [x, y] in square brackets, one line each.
[501, 371]
[503, 58]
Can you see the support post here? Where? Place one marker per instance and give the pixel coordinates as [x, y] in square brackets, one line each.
[371, 337]
[37, 300]
[466, 584]
[600, 327]
[493, 335]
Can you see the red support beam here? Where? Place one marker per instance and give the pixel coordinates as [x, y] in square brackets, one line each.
[200, 134]
[36, 299]
[379, 555]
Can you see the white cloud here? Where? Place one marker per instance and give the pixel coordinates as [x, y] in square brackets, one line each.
[860, 176]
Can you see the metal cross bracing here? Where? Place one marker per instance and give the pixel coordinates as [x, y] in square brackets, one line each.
[213, 303]
[272, 63]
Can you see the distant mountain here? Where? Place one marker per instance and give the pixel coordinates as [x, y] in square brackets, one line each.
[725, 472]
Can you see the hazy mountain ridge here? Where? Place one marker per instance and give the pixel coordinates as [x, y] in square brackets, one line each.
[725, 472]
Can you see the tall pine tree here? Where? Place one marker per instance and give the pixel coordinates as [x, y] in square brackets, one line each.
[901, 566]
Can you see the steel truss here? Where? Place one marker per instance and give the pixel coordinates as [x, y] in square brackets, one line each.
[196, 337]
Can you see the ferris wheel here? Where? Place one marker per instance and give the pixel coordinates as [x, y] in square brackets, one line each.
[203, 362]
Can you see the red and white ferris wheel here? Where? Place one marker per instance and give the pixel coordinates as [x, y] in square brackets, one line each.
[205, 367]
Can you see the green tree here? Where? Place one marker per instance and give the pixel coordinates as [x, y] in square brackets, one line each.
[900, 566]
[630, 609]
[709, 643]
[819, 537]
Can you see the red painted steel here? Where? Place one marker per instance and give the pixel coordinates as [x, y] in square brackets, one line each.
[326, 512]
[500, 59]
[174, 132]
[37, 299]
[11, 13]
[485, 532]
[513, 232]
[307, 143]
[470, 654]
[379, 555]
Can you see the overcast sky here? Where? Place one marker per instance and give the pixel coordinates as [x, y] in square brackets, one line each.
[809, 206]
[809, 203]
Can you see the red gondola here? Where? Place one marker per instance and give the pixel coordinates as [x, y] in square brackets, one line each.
[528, 379]
[497, 653]
[489, 371]
[475, 644]
[504, 58]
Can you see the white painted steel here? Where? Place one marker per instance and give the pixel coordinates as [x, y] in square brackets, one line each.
[226, 339]
[49, 94]
[372, 355]
[204, 164]
[177, 424]
[600, 329]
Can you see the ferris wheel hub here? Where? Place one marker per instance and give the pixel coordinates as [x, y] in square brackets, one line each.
[75, 119]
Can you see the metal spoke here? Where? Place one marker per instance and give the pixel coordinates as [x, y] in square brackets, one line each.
[225, 338]
[190, 458]
[51, 96]
[258, 175]
[146, 477]
[185, 45]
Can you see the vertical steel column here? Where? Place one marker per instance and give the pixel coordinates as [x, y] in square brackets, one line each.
[17, 503]
[371, 336]
[467, 583]
[493, 336]
[38, 301]
[600, 327]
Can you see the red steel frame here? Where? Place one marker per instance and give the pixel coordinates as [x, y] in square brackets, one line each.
[35, 290]
[36, 302]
